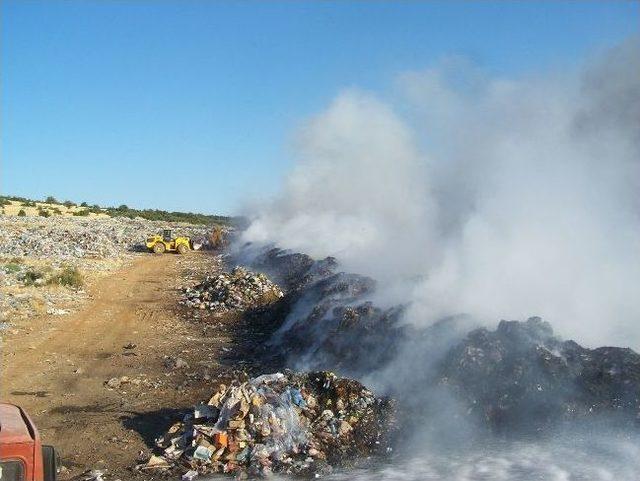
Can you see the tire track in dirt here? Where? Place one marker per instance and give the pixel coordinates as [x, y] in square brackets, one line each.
[58, 372]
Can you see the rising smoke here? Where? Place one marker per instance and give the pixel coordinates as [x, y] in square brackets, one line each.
[497, 198]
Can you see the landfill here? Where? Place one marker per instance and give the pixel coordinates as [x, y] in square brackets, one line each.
[68, 237]
[295, 423]
[235, 291]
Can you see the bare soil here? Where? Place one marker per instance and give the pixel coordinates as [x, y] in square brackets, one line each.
[57, 370]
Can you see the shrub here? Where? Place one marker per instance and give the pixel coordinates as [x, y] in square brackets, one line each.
[57, 211]
[68, 203]
[51, 200]
[84, 204]
[31, 278]
[12, 267]
[22, 213]
[43, 212]
[82, 213]
[69, 277]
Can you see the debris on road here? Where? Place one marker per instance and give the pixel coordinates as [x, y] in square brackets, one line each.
[238, 290]
[298, 423]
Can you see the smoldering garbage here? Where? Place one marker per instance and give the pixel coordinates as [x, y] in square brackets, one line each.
[519, 378]
[235, 291]
[296, 423]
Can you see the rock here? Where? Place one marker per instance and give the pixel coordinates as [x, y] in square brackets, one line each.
[175, 363]
[113, 383]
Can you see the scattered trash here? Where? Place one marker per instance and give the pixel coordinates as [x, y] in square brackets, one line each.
[57, 312]
[92, 475]
[155, 462]
[189, 475]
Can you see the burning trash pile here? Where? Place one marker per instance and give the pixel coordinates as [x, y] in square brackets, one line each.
[518, 378]
[521, 368]
[296, 423]
[238, 290]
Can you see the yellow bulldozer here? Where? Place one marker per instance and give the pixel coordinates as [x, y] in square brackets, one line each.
[160, 244]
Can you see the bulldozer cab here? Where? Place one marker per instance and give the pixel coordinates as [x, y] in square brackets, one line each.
[166, 235]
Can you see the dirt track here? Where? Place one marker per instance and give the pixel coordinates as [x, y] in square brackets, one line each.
[58, 370]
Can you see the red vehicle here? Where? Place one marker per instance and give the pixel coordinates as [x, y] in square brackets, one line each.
[22, 456]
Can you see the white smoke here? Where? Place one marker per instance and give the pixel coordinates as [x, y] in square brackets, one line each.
[499, 198]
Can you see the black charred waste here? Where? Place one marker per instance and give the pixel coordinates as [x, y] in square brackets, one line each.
[517, 378]
[521, 377]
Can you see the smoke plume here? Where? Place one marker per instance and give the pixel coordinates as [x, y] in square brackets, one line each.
[492, 197]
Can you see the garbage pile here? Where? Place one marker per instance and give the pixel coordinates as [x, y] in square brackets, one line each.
[238, 290]
[68, 237]
[331, 323]
[296, 423]
[521, 377]
[293, 270]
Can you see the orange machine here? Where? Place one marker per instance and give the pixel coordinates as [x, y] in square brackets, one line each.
[22, 456]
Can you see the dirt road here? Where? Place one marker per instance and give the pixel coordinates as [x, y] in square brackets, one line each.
[58, 370]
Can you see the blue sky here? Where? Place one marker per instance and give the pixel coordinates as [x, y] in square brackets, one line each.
[192, 105]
